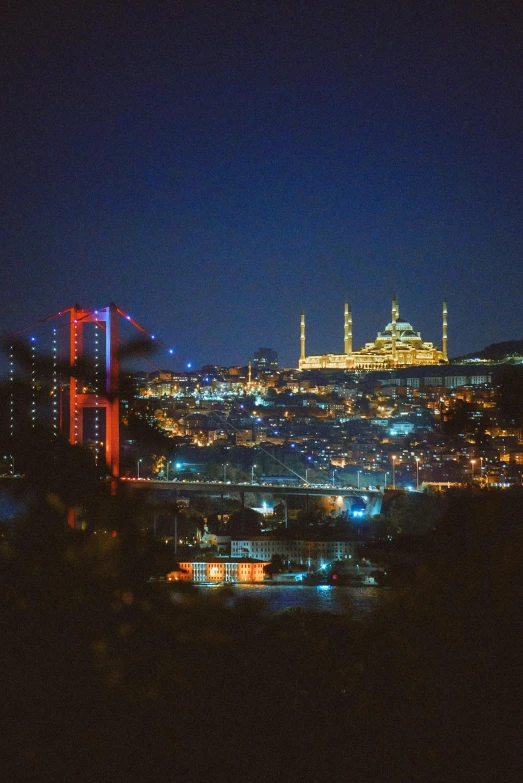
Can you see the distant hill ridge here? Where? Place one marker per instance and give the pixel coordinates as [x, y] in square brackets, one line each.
[496, 351]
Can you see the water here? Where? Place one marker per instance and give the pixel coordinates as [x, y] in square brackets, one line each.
[356, 600]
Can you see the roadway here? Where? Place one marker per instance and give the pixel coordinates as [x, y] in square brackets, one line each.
[220, 487]
[372, 498]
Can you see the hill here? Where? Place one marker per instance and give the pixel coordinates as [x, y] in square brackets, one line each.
[495, 352]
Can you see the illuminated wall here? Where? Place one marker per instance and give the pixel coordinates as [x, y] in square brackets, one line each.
[219, 571]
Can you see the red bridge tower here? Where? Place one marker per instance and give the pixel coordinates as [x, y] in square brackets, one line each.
[79, 399]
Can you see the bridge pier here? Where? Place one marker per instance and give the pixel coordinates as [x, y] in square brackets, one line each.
[371, 498]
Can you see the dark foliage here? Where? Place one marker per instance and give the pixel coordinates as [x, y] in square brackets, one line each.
[415, 513]
[510, 393]
[108, 677]
[276, 566]
[246, 522]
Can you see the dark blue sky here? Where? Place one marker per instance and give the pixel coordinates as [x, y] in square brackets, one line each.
[213, 167]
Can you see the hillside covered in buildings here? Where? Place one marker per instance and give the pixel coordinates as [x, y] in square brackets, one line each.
[427, 425]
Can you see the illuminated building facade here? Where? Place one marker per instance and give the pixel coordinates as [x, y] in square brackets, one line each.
[313, 554]
[239, 570]
[398, 345]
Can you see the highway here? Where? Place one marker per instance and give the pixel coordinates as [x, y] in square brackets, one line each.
[220, 487]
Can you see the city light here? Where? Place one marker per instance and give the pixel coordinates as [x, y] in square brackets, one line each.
[183, 597]
[327, 453]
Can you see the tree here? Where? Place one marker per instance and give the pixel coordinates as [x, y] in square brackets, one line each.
[362, 405]
[459, 419]
[190, 525]
[244, 523]
[276, 566]
[415, 513]
[510, 393]
[212, 472]
[204, 505]
[280, 511]
[380, 526]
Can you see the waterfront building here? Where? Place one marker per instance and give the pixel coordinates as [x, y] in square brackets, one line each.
[398, 345]
[313, 554]
[239, 569]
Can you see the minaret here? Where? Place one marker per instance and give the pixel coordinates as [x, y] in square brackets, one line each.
[444, 346]
[302, 336]
[347, 333]
[394, 332]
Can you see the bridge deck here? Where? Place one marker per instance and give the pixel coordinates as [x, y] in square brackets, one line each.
[219, 487]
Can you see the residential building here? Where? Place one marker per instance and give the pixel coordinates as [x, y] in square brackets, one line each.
[313, 554]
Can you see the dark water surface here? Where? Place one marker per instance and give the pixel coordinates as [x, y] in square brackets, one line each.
[357, 600]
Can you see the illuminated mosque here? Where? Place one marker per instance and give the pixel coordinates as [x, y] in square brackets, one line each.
[399, 345]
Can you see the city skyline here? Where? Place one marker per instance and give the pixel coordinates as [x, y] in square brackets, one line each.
[216, 170]
[173, 359]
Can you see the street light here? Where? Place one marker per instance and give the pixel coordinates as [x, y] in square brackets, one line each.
[417, 472]
[225, 472]
[252, 473]
[472, 463]
[393, 471]
[359, 471]
[138, 466]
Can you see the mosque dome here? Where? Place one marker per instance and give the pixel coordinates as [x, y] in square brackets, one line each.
[401, 326]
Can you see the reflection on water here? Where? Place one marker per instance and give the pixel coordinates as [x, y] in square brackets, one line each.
[358, 600]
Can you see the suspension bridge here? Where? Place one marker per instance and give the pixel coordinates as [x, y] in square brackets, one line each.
[72, 371]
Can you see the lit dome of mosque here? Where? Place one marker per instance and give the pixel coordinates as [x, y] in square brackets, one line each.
[401, 326]
[404, 331]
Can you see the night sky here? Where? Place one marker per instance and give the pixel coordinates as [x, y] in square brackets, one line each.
[215, 167]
